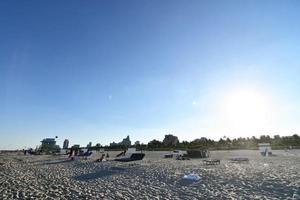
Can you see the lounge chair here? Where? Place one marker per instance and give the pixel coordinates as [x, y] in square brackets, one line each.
[212, 162]
[240, 160]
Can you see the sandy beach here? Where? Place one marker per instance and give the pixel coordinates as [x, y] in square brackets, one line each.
[55, 177]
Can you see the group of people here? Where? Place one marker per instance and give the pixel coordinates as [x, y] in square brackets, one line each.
[29, 151]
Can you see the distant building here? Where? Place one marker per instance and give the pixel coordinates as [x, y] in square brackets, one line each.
[113, 144]
[125, 142]
[66, 144]
[89, 145]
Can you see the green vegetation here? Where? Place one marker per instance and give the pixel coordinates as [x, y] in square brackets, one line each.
[276, 142]
[224, 143]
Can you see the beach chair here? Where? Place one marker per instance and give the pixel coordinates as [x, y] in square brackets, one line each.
[212, 162]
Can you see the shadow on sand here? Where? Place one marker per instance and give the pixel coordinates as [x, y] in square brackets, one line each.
[100, 174]
[57, 162]
[185, 182]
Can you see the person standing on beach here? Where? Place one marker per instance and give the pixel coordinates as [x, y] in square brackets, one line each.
[72, 154]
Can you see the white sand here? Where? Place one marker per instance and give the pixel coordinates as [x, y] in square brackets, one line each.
[54, 177]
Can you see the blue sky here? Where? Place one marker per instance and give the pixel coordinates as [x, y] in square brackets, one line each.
[101, 70]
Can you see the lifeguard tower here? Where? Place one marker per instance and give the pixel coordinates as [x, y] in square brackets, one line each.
[265, 149]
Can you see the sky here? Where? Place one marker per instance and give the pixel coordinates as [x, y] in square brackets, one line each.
[101, 70]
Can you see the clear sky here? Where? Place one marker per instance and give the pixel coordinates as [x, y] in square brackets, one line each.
[101, 70]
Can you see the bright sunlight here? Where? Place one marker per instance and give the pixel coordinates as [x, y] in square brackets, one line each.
[245, 110]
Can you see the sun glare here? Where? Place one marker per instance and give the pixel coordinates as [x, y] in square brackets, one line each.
[245, 110]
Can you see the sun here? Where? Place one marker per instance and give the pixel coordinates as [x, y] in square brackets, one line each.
[245, 110]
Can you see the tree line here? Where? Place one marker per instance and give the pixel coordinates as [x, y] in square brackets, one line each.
[171, 142]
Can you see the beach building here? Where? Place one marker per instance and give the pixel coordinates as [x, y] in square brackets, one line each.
[49, 145]
[265, 149]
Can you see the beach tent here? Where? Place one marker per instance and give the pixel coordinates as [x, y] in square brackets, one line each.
[198, 153]
[130, 155]
[175, 154]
